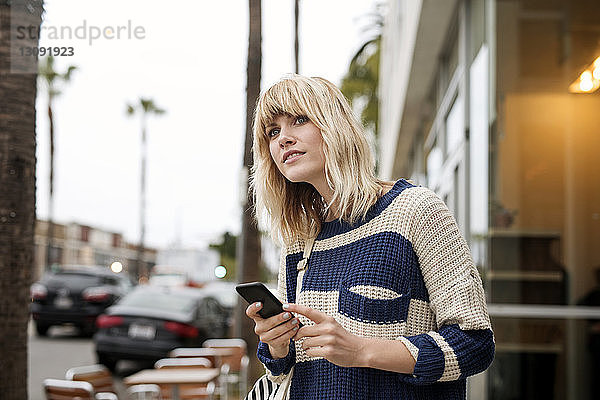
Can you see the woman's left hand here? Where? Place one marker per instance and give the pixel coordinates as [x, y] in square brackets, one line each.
[328, 339]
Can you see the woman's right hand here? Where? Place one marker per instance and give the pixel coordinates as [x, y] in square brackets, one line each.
[274, 331]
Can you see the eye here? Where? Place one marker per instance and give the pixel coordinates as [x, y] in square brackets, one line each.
[302, 119]
[273, 132]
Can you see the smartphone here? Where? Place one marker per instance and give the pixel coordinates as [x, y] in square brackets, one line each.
[256, 291]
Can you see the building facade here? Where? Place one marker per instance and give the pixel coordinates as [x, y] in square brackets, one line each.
[494, 104]
[76, 244]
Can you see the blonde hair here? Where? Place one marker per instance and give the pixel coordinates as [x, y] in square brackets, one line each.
[297, 210]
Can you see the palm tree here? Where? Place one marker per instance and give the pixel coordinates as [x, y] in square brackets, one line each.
[361, 81]
[248, 250]
[296, 41]
[17, 202]
[50, 77]
[145, 107]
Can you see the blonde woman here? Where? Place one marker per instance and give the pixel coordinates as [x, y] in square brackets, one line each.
[391, 304]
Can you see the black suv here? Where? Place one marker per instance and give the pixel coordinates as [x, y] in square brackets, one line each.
[75, 295]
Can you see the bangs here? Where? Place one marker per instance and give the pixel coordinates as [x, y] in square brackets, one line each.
[283, 98]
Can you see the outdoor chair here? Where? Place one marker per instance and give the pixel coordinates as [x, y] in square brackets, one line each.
[59, 389]
[189, 391]
[144, 392]
[235, 366]
[191, 362]
[97, 375]
[189, 352]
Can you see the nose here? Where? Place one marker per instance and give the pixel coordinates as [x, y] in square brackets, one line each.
[285, 138]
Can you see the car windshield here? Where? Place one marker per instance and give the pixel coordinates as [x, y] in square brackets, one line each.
[168, 280]
[159, 301]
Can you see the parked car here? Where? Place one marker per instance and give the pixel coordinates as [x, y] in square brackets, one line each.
[75, 295]
[153, 320]
[166, 275]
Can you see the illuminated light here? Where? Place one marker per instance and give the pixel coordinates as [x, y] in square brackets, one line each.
[220, 271]
[586, 85]
[589, 80]
[585, 76]
[116, 267]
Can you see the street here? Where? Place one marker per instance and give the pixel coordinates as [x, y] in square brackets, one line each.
[63, 348]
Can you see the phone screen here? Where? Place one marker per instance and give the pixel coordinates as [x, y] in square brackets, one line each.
[256, 291]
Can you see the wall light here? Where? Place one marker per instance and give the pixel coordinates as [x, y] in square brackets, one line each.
[589, 80]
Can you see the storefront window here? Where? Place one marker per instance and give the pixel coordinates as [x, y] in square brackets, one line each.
[545, 198]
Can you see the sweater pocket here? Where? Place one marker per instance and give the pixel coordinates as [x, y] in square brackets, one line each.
[373, 305]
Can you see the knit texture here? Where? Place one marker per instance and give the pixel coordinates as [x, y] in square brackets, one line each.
[403, 273]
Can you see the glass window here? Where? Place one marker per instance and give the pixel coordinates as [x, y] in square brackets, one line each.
[545, 196]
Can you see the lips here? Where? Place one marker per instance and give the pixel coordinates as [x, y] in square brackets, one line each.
[291, 155]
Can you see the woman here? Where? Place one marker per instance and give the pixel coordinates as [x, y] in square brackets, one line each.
[391, 304]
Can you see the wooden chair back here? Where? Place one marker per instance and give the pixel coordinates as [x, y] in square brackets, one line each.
[188, 362]
[97, 375]
[144, 392]
[190, 352]
[239, 348]
[59, 389]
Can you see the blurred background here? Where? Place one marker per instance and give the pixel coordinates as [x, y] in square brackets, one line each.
[141, 154]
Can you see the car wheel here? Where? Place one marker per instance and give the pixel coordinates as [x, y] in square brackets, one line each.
[108, 362]
[42, 329]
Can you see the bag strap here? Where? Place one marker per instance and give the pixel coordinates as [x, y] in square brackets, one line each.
[283, 390]
[303, 264]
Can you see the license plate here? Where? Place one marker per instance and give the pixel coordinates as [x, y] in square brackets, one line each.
[141, 331]
[63, 302]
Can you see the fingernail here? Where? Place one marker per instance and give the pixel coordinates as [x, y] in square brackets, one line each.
[295, 328]
[286, 306]
[294, 322]
[286, 315]
[258, 304]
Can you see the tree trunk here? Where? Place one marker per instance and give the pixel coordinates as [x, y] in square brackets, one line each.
[141, 270]
[17, 202]
[296, 39]
[50, 231]
[249, 243]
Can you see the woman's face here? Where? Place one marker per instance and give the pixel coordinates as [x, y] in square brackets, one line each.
[296, 146]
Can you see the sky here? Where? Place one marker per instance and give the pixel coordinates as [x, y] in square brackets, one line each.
[189, 56]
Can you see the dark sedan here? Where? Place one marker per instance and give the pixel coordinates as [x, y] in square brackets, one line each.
[75, 295]
[152, 320]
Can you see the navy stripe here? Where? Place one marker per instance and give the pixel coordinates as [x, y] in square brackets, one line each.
[385, 259]
[330, 229]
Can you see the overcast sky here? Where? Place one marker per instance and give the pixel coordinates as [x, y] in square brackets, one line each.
[190, 57]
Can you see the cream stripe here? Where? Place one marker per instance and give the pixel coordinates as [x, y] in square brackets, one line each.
[451, 367]
[414, 350]
[387, 221]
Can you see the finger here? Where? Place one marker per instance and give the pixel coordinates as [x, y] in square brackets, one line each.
[288, 329]
[312, 314]
[316, 351]
[309, 331]
[253, 309]
[264, 325]
[318, 341]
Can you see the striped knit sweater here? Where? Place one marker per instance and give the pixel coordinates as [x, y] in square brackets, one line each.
[403, 273]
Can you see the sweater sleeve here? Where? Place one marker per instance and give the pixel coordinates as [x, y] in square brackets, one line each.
[463, 343]
[277, 369]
